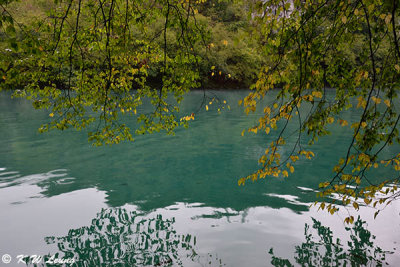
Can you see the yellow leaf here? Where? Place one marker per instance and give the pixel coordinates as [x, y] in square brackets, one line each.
[388, 18]
[363, 124]
[387, 102]
[375, 165]
[354, 125]
[285, 173]
[376, 99]
[212, 73]
[343, 122]
[212, 67]
[361, 102]
[207, 107]
[243, 132]
[275, 105]
[371, 7]
[355, 205]
[294, 158]
[291, 169]
[344, 19]
[330, 120]
[342, 187]
[314, 72]
[51, 114]
[317, 94]
[323, 185]
[267, 110]
[267, 130]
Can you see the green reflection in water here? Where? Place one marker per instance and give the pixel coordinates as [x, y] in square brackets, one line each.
[323, 250]
[197, 165]
[117, 237]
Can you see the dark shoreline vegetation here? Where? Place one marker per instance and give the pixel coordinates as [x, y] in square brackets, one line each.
[230, 49]
[230, 57]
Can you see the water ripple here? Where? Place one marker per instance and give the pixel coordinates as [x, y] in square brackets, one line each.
[14, 178]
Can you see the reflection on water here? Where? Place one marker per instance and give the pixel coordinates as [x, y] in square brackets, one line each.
[322, 249]
[200, 164]
[13, 178]
[180, 187]
[119, 237]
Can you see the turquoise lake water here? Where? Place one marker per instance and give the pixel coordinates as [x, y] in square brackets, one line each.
[174, 200]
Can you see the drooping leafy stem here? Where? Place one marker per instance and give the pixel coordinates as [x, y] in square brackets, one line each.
[351, 47]
[89, 61]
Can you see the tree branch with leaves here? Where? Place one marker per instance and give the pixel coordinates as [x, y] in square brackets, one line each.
[331, 56]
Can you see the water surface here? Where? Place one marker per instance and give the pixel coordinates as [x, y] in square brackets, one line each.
[174, 200]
